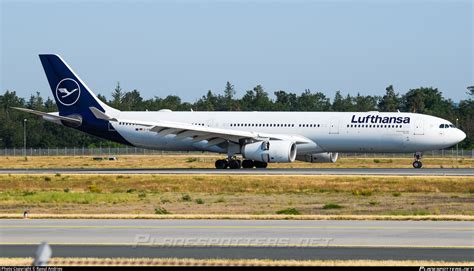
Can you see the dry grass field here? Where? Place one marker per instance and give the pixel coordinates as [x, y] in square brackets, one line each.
[207, 161]
[219, 262]
[199, 195]
[225, 195]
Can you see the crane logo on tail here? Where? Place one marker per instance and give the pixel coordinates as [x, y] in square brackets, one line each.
[68, 92]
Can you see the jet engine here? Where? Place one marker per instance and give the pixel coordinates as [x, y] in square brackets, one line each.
[325, 157]
[272, 151]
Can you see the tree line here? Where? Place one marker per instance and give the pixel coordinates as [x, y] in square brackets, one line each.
[42, 134]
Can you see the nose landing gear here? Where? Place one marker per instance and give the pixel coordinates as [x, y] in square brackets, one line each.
[417, 163]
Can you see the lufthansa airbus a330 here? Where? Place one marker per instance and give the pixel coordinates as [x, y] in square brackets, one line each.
[259, 137]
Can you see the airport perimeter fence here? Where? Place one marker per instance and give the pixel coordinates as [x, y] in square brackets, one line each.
[111, 151]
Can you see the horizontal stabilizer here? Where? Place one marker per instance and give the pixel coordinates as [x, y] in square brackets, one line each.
[101, 115]
[45, 115]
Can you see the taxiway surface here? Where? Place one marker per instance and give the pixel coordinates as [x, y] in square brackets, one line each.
[272, 239]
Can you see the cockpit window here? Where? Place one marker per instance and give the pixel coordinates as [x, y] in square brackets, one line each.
[446, 126]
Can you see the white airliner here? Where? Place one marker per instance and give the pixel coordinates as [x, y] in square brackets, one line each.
[259, 137]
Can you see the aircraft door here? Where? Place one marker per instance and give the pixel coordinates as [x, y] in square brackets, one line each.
[419, 128]
[334, 126]
[211, 123]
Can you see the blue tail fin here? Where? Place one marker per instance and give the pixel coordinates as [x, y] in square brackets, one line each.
[74, 99]
[70, 92]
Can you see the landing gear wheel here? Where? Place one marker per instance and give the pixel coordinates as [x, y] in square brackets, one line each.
[234, 164]
[259, 164]
[221, 164]
[248, 164]
[417, 164]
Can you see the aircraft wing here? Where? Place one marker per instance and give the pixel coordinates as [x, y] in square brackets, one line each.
[198, 133]
[213, 135]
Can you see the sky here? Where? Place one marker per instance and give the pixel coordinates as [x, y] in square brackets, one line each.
[188, 47]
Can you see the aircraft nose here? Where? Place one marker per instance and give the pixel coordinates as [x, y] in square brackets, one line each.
[462, 136]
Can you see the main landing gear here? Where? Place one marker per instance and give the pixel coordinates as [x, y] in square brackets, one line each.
[233, 163]
[417, 163]
[228, 163]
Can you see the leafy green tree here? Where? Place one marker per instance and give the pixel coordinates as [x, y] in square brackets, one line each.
[365, 103]
[337, 104]
[35, 102]
[102, 98]
[308, 101]
[229, 93]
[117, 95]
[171, 102]
[390, 102]
[207, 103]
[415, 100]
[343, 104]
[285, 101]
[256, 100]
[49, 105]
[429, 101]
[8, 100]
[11, 120]
[132, 101]
[466, 121]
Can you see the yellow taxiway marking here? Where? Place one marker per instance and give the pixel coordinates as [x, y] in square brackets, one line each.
[234, 227]
[151, 244]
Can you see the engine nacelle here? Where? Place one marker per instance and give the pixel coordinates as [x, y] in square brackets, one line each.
[325, 157]
[273, 151]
